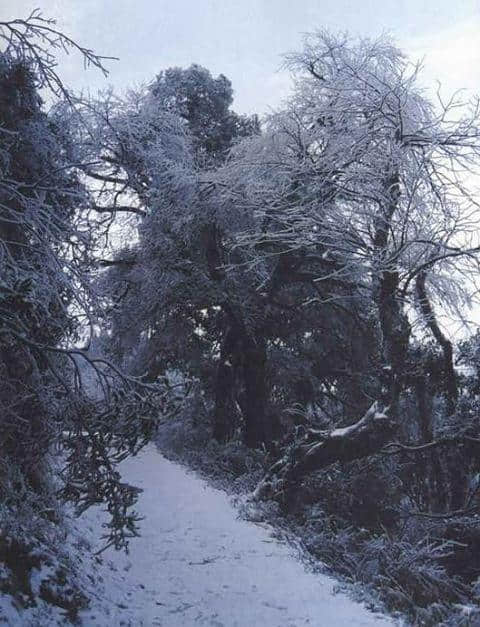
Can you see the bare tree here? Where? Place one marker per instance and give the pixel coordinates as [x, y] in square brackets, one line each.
[382, 181]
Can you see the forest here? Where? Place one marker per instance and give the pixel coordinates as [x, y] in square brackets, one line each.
[272, 300]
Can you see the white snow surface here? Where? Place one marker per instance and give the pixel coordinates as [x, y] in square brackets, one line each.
[197, 563]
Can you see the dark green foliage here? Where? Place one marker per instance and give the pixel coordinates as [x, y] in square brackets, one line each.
[204, 102]
[47, 249]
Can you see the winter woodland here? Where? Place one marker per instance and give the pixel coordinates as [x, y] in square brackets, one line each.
[270, 300]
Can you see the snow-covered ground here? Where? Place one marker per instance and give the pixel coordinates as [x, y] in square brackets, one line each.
[197, 563]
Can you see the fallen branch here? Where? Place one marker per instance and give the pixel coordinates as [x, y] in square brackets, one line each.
[318, 449]
[443, 516]
[394, 448]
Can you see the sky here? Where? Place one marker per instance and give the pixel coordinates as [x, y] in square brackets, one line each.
[244, 39]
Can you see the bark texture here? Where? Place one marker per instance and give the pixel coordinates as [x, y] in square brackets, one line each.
[319, 449]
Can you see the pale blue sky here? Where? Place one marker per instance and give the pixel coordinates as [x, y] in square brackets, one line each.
[244, 39]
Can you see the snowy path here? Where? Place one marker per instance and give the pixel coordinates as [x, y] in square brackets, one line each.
[196, 563]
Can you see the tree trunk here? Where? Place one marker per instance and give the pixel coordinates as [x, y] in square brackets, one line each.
[456, 479]
[224, 412]
[451, 390]
[254, 399]
[393, 321]
[395, 337]
[435, 479]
